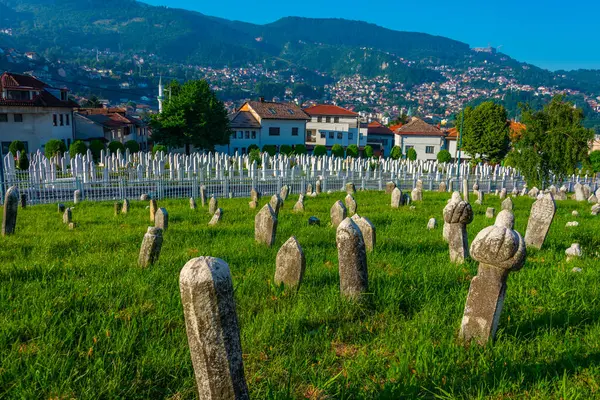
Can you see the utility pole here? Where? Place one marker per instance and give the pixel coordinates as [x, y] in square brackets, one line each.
[462, 120]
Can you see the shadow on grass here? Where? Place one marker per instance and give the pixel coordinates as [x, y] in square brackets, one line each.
[561, 320]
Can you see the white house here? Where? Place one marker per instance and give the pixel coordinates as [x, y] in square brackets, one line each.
[330, 125]
[426, 139]
[33, 112]
[110, 124]
[266, 123]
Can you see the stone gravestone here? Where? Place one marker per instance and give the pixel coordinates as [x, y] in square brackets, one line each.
[193, 205]
[397, 198]
[417, 194]
[202, 195]
[23, 200]
[457, 215]
[144, 197]
[540, 219]
[299, 206]
[579, 193]
[465, 190]
[212, 329]
[161, 219]
[350, 204]
[11, 206]
[283, 193]
[480, 196]
[318, 187]
[350, 188]
[503, 194]
[431, 224]
[573, 252]
[499, 250]
[276, 203]
[67, 216]
[216, 217]
[76, 196]
[352, 256]
[290, 264]
[309, 189]
[151, 245]
[153, 208]
[213, 204]
[367, 229]
[125, 208]
[337, 213]
[265, 226]
[254, 195]
[389, 187]
[507, 204]
[490, 212]
[442, 188]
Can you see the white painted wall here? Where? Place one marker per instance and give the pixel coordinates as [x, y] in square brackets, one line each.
[328, 134]
[451, 147]
[420, 144]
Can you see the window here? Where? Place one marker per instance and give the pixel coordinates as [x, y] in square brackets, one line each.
[331, 135]
[253, 134]
[61, 118]
[294, 131]
[272, 111]
[406, 148]
[319, 119]
[274, 131]
[322, 135]
[63, 96]
[350, 135]
[54, 119]
[18, 117]
[290, 111]
[328, 119]
[240, 134]
[339, 135]
[18, 95]
[247, 135]
[68, 122]
[3, 117]
[429, 149]
[336, 119]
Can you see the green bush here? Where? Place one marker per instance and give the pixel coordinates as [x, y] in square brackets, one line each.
[299, 149]
[368, 151]
[270, 149]
[77, 147]
[132, 145]
[396, 152]
[53, 147]
[254, 155]
[352, 151]
[319, 150]
[96, 146]
[411, 154]
[595, 160]
[337, 150]
[23, 164]
[252, 147]
[158, 148]
[444, 156]
[114, 146]
[286, 149]
[16, 146]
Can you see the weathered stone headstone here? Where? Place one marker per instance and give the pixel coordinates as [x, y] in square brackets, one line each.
[352, 256]
[202, 195]
[72, 225]
[490, 212]
[573, 252]
[579, 193]
[265, 226]
[457, 215]
[299, 206]
[480, 197]
[507, 204]
[442, 188]
[397, 198]
[571, 224]
[67, 216]
[314, 221]
[367, 229]
[431, 224]
[61, 208]
[592, 199]
[290, 264]
[540, 219]
[212, 329]
[283, 193]
[534, 192]
[23, 200]
[503, 194]
[253, 204]
[595, 209]
[587, 191]
[276, 203]
[11, 206]
[350, 204]
[350, 188]
[161, 219]
[417, 194]
[213, 204]
[465, 190]
[337, 213]
[151, 246]
[389, 187]
[125, 208]
[309, 189]
[153, 208]
[144, 197]
[499, 250]
[216, 217]
[76, 196]
[318, 187]
[193, 205]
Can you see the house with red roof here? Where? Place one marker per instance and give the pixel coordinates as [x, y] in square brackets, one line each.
[330, 125]
[110, 124]
[381, 138]
[33, 112]
[426, 139]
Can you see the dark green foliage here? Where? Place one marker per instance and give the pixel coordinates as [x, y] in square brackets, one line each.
[286, 149]
[368, 151]
[77, 147]
[337, 150]
[253, 146]
[159, 148]
[595, 160]
[132, 145]
[444, 156]
[16, 146]
[23, 164]
[254, 155]
[92, 102]
[553, 142]
[411, 154]
[320, 150]
[96, 147]
[115, 145]
[485, 132]
[352, 151]
[396, 153]
[270, 149]
[53, 147]
[299, 149]
[268, 90]
[193, 116]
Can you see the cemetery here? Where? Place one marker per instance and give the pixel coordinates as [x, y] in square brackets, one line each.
[397, 281]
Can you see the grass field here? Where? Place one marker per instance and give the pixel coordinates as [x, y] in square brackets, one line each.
[79, 319]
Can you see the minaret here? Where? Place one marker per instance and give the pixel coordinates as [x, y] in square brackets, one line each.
[160, 97]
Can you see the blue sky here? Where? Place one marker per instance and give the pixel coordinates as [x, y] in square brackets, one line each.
[551, 34]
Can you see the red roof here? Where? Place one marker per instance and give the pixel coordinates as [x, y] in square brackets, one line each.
[375, 128]
[328, 109]
[452, 134]
[397, 126]
[418, 127]
[10, 80]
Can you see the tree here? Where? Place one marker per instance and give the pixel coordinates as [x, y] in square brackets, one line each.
[368, 151]
[23, 164]
[132, 145]
[396, 152]
[77, 147]
[270, 149]
[115, 145]
[352, 151]
[252, 147]
[286, 149]
[157, 148]
[486, 132]
[92, 102]
[53, 147]
[299, 149]
[15, 147]
[595, 160]
[254, 155]
[96, 147]
[411, 154]
[444, 156]
[193, 116]
[337, 150]
[553, 142]
[319, 150]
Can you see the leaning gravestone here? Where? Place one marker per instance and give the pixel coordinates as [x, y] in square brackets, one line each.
[337, 213]
[265, 226]
[11, 206]
[151, 246]
[153, 208]
[397, 198]
[212, 329]
[67, 216]
[125, 208]
[299, 206]
[290, 264]
[457, 215]
[216, 217]
[354, 277]
[350, 204]
[350, 188]
[283, 193]
[276, 203]
[161, 219]
[507, 204]
[213, 204]
[499, 250]
[367, 229]
[540, 219]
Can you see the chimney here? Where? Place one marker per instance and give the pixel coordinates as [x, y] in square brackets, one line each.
[261, 99]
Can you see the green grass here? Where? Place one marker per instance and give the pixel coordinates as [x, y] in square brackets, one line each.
[79, 319]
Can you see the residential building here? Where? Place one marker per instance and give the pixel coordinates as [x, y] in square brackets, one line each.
[266, 123]
[33, 112]
[426, 139]
[330, 125]
[110, 124]
[380, 137]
